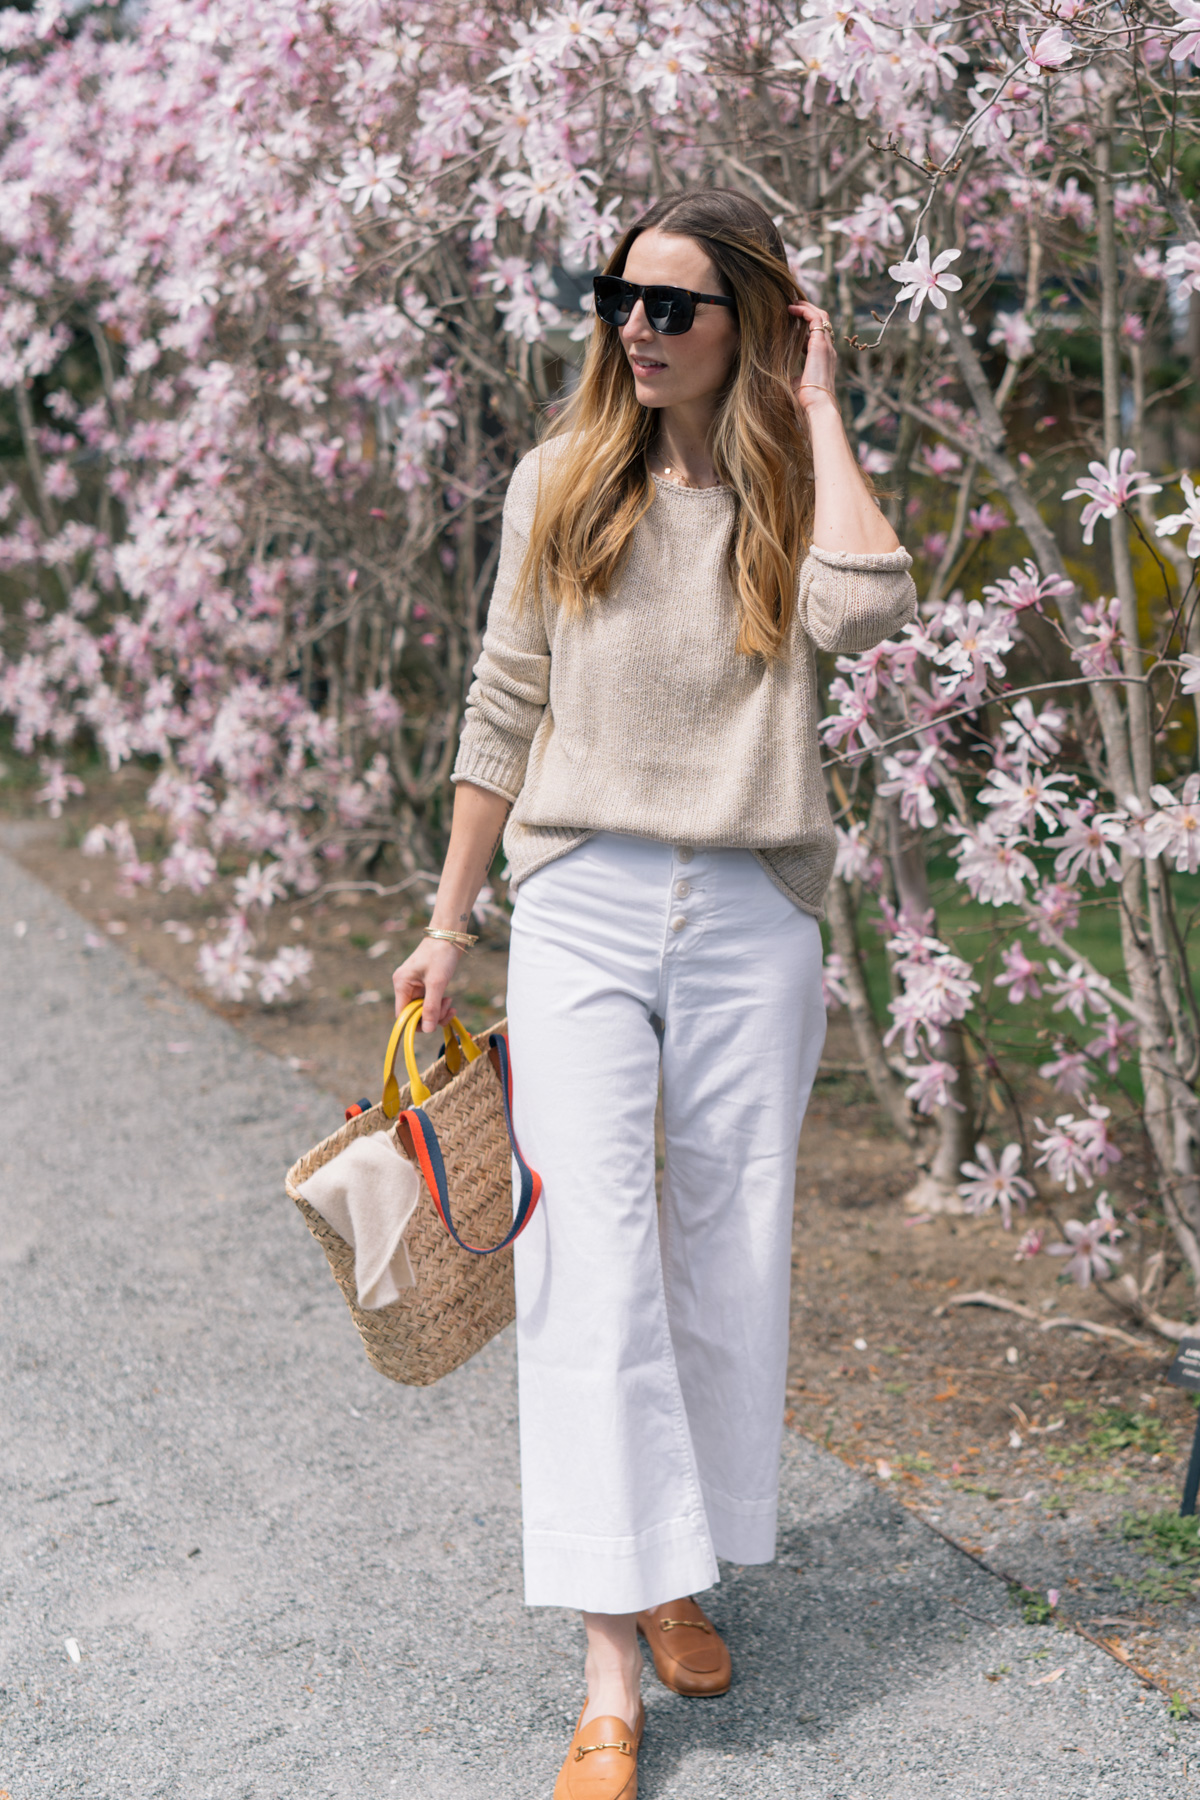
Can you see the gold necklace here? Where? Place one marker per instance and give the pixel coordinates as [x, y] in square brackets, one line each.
[669, 473]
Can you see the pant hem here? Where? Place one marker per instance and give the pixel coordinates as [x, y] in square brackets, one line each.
[742, 1531]
[618, 1575]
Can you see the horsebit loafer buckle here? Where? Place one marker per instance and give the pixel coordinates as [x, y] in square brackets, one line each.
[623, 1747]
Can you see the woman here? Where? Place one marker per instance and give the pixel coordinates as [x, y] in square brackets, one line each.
[646, 704]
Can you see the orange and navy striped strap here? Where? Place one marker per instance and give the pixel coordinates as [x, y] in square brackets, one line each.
[418, 1130]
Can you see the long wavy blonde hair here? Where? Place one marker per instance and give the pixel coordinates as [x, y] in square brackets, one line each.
[597, 486]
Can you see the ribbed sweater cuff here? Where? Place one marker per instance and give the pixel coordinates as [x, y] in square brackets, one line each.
[488, 768]
[862, 559]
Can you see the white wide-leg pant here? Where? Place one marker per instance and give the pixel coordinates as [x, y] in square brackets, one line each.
[652, 1343]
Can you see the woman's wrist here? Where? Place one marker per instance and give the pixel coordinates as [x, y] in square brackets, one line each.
[448, 919]
[461, 942]
[815, 401]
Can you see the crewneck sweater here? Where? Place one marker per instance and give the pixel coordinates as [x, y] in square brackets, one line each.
[640, 715]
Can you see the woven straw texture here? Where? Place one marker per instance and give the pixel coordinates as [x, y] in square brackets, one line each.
[460, 1301]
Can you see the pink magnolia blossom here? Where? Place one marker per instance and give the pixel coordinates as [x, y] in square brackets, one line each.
[1077, 1147]
[1085, 846]
[1057, 902]
[58, 787]
[1013, 331]
[1078, 988]
[1062, 1155]
[1115, 1042]
[291, 965]
[992, 865]
[663, 70]
[1019, 800]
[978, 640]
[1034, 737]
[1068, 1071]
[192, 866]
[986, 520]
[875, 224]
[1186, 47]
[1024, 587]
[1101, 623]
[833, 982]
[371, 180]
[1052, 51]
[1091, 1247]
[995, 1184]
[938, 988]
[853, 719]
[911, 777]
[1092, 1134]
[930, 1086]
[1021, 976]
[1107, 487]
[261, 885]
[856, 857]
[228, 966]
[940, 460]
[1183, 265]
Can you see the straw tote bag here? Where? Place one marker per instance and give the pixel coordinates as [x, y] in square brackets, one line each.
[455, 1123]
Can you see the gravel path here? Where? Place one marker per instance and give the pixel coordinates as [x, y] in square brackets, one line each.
[288, 1579]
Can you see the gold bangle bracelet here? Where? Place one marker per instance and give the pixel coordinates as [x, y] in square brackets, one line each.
[462, 940]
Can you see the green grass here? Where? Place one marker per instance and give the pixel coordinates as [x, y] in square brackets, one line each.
[1035, 1608]
[1116, 1429]
[1166, 1536]
[1173, 1543]
[1113, 1429]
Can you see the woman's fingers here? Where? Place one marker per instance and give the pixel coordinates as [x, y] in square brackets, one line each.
[406, 987]
[427, 974]
[435, 1006]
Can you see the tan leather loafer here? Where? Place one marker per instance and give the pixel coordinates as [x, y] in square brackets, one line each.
[602, 1761]
[689, 1655]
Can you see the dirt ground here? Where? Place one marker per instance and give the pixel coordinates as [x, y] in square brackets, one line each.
[1031, 1445]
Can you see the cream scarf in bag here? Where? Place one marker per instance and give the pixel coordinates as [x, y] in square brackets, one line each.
[368, 1193]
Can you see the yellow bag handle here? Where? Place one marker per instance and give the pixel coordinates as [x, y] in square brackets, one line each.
[459, 1044]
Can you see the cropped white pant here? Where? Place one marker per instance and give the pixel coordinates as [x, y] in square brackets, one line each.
[652, 1343]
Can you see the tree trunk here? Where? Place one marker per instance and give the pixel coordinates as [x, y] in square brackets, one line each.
[867, 1037]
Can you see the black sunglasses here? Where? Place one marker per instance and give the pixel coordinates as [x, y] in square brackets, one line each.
[669, 310]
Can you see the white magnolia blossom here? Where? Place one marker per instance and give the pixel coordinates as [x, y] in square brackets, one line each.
[1190, 516]
[1174, 831]
[996, 1184]
[992, 865]
[921, 279]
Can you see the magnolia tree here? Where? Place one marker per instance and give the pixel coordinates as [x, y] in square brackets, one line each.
[285, 291]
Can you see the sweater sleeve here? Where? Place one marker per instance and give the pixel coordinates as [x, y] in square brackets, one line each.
[850, 600]
[508, 696]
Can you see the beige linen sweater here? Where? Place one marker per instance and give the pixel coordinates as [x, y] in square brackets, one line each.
[641, 716]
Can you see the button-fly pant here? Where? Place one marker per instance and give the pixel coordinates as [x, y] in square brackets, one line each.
[652, 1340]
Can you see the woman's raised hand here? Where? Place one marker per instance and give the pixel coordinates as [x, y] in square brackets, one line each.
[814, 386]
